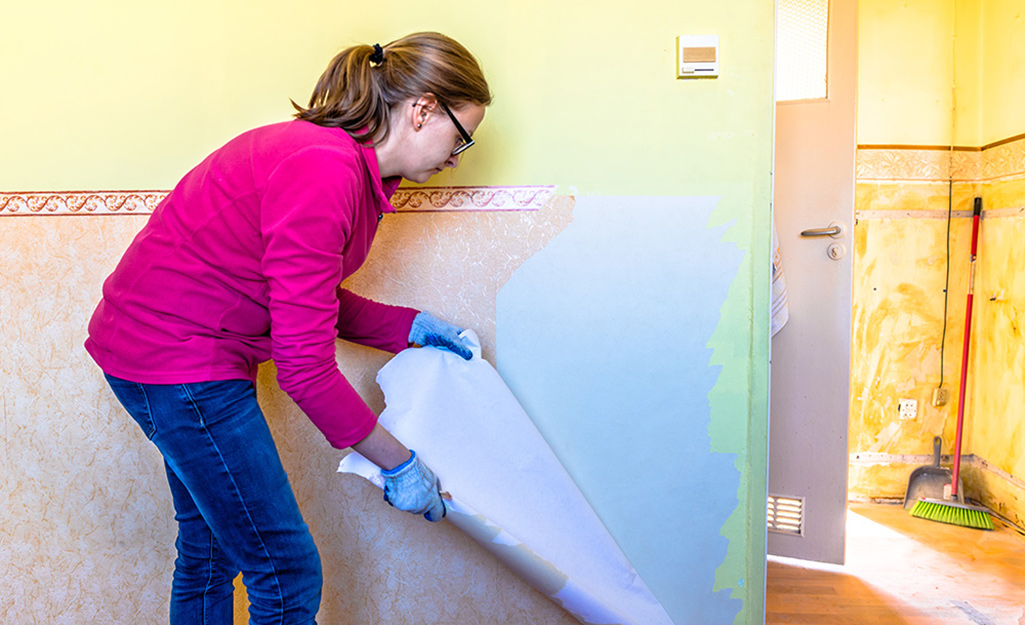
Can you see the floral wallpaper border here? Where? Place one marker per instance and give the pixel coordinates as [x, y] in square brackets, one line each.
[406, 199]
[471, 198]
[80, 203]
[1000, 160]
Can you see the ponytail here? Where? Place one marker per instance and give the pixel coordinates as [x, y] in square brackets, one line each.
[363, 83]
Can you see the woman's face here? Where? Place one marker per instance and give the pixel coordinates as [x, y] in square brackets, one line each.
[435, 136]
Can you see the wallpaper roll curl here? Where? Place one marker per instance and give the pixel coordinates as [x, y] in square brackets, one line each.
[507, 489]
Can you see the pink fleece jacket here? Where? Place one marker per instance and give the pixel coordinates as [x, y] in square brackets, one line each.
[242, 262]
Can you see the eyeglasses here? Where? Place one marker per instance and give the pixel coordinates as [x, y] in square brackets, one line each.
[467, 140]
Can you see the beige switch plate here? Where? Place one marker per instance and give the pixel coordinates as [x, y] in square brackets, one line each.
[697, 56]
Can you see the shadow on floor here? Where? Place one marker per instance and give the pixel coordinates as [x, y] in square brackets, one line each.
[901, 570]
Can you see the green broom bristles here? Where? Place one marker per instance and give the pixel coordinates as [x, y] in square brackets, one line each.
[952, 513]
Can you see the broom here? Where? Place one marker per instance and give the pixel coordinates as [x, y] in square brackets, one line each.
[952, 511]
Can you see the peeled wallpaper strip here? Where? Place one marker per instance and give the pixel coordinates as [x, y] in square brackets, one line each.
[509, 492]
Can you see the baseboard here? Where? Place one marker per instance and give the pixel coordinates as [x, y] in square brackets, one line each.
[882, 478]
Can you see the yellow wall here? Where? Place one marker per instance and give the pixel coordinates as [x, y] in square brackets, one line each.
[902, 201]
[917, 64]
[996, 431]
[1003, 90]
[898, 314]
[904, 72]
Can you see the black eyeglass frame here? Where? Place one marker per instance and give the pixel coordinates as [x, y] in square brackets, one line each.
[467, 139]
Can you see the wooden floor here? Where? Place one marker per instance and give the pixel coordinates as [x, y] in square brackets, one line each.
[902, 570]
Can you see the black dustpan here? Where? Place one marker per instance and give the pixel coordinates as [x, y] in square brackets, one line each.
[928, 482]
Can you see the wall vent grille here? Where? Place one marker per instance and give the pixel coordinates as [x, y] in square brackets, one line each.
[786, 515]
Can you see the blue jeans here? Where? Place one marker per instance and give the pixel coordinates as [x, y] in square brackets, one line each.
[234, 506]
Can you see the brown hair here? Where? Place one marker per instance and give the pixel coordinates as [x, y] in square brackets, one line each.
[358, 89]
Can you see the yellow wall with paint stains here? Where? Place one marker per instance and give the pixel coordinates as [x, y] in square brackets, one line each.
[996, 431]
[898, 316]
[970, 99]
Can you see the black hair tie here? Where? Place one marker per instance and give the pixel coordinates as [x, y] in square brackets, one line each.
[378, 56]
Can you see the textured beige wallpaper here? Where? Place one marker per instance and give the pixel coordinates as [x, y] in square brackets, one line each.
[86, 524]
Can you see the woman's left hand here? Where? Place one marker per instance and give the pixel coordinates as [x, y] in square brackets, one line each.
[429, 330]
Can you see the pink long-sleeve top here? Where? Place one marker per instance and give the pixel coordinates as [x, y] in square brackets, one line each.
[242, 262]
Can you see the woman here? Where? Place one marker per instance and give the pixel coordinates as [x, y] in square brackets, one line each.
[242, 262]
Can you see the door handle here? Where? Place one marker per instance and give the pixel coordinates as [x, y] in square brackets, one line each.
[835, 230]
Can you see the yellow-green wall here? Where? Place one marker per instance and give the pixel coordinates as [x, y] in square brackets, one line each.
[128, 95]
[935, 74]
[117, 95]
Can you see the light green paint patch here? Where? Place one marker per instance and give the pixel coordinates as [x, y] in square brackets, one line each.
[739, 400]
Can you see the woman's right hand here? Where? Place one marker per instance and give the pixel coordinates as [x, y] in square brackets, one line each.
[414, 488]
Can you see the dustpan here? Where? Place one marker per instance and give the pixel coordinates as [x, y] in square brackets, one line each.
[931, 481]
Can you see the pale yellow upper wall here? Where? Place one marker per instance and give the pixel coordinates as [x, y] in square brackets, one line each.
[969, 117]
[904, 72]
[940, 72]
[1003, 89]
[127, 95]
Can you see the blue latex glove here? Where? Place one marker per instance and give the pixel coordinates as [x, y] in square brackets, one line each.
[413, 487]
[429, 330]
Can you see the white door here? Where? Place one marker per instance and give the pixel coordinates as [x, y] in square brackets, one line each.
[810, 384]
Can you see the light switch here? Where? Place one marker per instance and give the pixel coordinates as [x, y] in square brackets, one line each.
[697, 56]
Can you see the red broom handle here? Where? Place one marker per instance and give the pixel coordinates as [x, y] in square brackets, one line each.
[976, 215]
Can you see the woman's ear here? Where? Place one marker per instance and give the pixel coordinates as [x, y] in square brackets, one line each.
[423, 107]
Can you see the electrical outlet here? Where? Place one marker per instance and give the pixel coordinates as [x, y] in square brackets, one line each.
[908, 409]
[940, 397]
